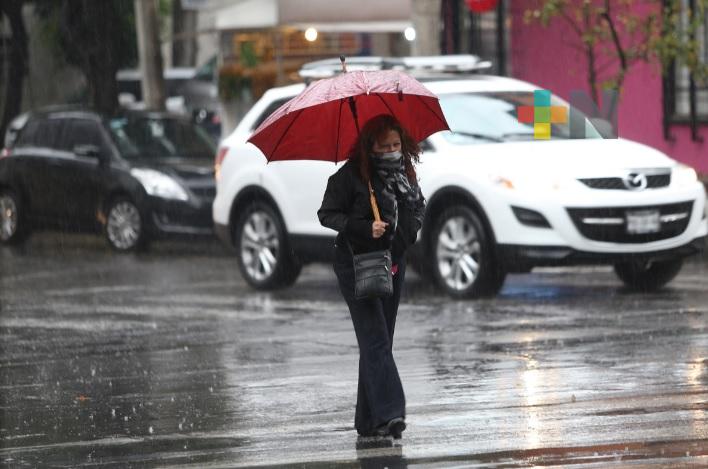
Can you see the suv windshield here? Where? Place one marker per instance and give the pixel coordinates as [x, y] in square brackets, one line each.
[492, 117]
[160, 137]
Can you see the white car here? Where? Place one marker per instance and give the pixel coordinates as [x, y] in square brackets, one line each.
[499, 200]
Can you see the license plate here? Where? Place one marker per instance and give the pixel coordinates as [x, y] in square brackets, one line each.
[643, 222]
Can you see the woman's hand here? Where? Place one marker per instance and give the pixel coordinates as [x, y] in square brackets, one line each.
[378, 228]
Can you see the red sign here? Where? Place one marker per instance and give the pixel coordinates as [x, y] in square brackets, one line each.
[480, 6]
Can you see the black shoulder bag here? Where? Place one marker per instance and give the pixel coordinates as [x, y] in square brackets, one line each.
[372, 270]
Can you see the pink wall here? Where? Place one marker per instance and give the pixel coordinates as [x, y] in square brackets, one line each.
[546, 57]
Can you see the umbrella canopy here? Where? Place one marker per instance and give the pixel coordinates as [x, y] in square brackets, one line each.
[322, 122]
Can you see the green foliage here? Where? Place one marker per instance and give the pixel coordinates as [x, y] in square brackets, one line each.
[98, 37]
[68, 27]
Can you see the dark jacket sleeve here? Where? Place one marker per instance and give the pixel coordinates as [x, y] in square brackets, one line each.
[335, 211]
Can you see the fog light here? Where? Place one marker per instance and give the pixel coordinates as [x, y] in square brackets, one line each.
[530, 217]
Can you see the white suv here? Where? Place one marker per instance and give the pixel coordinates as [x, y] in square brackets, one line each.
[498, 200]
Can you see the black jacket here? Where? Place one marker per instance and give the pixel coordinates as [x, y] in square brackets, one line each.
[347, 210]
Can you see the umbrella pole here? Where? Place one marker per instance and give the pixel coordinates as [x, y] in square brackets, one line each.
[352, 107]
[352, 104]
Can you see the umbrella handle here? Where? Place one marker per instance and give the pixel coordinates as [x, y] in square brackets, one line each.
[344, 66]
[374, 205]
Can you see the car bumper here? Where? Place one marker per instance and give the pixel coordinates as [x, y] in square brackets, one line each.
[223, 233]
[569, 214]
[174, 218]
[520, 257]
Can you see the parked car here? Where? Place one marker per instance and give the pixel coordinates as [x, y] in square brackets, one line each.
[499, 200]
[201, 98]
[134, 176]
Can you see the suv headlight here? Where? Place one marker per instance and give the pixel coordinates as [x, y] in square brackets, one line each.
[159, 184]
[683, 175]
[529, 183]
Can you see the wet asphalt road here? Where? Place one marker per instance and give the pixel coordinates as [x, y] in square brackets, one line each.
[167, 359]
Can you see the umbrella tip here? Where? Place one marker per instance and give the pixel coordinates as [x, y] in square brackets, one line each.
[344, 66]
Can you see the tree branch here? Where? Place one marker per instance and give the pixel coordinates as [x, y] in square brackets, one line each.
[615, 37]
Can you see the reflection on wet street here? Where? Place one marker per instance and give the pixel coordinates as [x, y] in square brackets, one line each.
[169, 359]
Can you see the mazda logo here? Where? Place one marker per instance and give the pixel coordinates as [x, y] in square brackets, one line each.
[635, 181]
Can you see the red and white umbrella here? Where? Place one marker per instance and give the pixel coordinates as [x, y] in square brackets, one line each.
[323, 121]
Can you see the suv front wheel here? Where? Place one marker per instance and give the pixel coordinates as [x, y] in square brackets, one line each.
[461, 255]
[261, 243]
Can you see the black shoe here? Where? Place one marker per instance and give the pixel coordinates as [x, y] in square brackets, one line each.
[395, 427]
[380, 431]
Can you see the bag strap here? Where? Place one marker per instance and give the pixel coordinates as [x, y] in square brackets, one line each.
[374, 205]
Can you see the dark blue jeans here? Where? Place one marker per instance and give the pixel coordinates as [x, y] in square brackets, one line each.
[380, 395]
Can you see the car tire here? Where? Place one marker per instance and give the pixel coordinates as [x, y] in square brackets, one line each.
[648, 276]
[125, 228]
[264, 256]
[14, 228]
[461, 255]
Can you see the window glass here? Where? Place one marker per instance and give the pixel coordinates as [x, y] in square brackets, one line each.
[80, 132]
[207, 71]
[682, 104]
[28, 134]
[269, 110]
[160, 137]
[41, 132]
[493, 117]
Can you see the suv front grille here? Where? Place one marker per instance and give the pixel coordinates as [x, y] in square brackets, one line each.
[654, 181]
[609, 224]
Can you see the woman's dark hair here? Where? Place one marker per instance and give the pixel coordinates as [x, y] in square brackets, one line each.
[374, 129]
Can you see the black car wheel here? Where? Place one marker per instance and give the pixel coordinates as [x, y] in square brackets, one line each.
[648, 276]
[264, 256]
[13, 226]
[125, 230]
[461, 256]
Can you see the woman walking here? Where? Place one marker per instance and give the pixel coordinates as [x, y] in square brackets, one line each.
[383, 155]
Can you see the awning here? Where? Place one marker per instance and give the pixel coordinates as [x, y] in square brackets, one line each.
[249, 14]
[324, 15]
[357, 27]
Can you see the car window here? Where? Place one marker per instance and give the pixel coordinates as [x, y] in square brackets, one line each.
[160, 137]
[28, 134]
[80, 132]
[43, 132]
[268, 111]
[493, 117]
[207, 71]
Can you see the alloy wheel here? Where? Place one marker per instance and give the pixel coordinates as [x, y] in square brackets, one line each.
[259, 245]
[123, 226]
[458, 253]
[8, 217]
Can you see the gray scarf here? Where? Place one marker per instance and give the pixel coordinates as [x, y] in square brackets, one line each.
[391, 169]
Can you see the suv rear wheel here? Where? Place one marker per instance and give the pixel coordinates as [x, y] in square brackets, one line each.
[264, 256]
[13, 225]
[648, 276]
[461, 255]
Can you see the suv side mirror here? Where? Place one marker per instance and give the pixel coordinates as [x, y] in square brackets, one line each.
[88, 150]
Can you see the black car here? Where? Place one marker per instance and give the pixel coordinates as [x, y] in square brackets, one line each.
[134, 176]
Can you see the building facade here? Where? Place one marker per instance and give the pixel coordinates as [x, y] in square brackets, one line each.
[666, 111]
